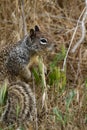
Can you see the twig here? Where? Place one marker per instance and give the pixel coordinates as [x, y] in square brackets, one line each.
[83, 31]
[23, 18]
[64, 63]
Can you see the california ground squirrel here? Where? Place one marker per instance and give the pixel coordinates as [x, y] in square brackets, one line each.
[20, 106]
[15, 59]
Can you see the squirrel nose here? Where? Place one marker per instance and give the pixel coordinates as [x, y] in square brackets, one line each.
[55, 45]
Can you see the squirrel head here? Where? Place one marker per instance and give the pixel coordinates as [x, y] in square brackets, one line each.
[41, 42]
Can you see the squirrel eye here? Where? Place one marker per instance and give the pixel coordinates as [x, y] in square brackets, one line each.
[43, 41]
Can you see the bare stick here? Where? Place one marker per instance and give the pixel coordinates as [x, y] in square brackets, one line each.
[23, 18]
[82, 29]
[64, 63]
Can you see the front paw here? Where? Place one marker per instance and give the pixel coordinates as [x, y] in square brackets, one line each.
[28, 76]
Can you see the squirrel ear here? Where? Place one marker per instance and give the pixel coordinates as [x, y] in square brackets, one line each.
[32, 33]
[37, 28]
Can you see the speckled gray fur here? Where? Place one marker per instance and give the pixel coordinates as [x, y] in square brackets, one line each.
[14, 58]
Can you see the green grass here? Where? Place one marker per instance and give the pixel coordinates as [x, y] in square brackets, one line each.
[69, 99]
[65, 117]
[56, 76]
[17, 109]
[59, 116]
[3, 94]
